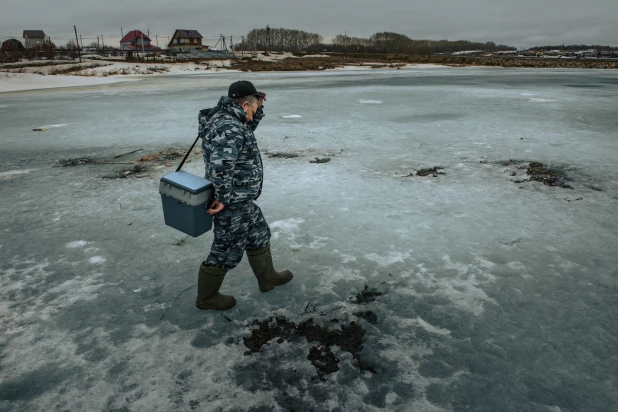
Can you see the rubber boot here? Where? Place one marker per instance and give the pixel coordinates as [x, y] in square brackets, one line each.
[209, 280]
[261, 262]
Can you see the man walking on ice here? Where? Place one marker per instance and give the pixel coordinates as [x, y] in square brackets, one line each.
[234, 166]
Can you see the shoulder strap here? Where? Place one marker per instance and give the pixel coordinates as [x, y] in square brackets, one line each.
[203, 112]
[187, 155]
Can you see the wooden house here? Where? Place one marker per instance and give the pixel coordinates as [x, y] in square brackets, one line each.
[186, 41]
[34, 38]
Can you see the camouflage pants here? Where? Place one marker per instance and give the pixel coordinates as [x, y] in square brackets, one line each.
[238, 227]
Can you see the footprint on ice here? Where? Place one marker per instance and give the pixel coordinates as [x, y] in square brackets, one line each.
[370, 101]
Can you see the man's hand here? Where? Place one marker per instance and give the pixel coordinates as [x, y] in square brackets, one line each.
[261, 99]
[215, 207]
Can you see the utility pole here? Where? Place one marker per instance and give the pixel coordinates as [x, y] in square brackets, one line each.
[121, 33]
[98, 44]
[141, 35]
[52, 48]
[77, 40]
[103, 43]
[232, 43]
[270, 46]
[81, 41]
[242, 50]
[223, 47]
[157, 38]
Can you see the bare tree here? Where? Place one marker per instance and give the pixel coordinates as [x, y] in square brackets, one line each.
[281, 40]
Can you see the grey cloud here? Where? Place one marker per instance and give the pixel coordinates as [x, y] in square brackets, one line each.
[525, 22]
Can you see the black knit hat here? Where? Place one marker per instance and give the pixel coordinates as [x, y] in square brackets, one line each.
[243, 88]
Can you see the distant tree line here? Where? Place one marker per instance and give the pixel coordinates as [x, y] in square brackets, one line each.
[286, 40]
[395, 43]
[576, 47]
[281, 40]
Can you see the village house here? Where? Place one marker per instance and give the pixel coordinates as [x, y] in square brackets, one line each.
[11, 49]
[135, 40]
[12, 46]
[34, 38]
[186, 41]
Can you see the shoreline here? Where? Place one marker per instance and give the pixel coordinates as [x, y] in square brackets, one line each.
[34, 76]
[13, 82]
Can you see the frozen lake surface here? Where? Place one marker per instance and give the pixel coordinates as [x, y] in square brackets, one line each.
[496, 295]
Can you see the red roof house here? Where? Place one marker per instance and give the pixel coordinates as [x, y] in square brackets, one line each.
[136, 40]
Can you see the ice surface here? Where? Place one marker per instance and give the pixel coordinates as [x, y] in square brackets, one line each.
[496, 295]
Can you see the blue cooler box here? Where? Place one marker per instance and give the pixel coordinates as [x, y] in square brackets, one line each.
[185, 198]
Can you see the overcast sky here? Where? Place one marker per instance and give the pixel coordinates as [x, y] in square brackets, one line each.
[515, 23]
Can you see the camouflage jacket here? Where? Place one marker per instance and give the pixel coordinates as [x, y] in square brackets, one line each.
[231, 154]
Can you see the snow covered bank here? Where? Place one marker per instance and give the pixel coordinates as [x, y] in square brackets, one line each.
[44, 77]
[13, 82]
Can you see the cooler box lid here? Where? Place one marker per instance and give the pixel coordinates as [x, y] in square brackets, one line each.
[186, 187]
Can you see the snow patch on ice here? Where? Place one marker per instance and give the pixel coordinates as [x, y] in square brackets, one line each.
[334, 275]
[292, 116]
[15, 172]
[76, 289]
[287, 225]
[419, 322]
[76, 244]
[96, 260]
[52, 126]
[516, 265]
[287, 228]
[536, 100]
[18, 283]
[389, 259]
[361, 101]
[344, 257]
[464, 288]
[154, 306]
[318, 242]
[390, 398]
